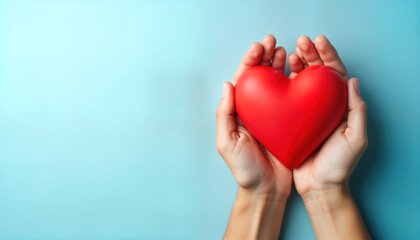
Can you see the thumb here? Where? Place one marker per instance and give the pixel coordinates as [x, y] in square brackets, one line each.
[225, 118]
[357, 116]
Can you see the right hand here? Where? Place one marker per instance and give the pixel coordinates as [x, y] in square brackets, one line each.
[330, 167]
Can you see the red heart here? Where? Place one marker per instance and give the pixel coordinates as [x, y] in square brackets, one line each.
[291, 118]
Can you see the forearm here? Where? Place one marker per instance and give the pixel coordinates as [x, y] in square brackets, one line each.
[255, 217]
[334, 215]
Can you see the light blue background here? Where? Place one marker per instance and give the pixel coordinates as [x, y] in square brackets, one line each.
[107, 113]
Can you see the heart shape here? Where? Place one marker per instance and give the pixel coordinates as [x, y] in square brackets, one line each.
[291, 118]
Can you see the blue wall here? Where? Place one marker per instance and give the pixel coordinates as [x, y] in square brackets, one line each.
[107, 113]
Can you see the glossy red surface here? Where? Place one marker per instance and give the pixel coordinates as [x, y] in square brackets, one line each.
[291, 118]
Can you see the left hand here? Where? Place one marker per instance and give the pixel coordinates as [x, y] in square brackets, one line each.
[256, 170]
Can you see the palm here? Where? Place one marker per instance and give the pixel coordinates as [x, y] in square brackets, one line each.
[322, 167]
[254, 166]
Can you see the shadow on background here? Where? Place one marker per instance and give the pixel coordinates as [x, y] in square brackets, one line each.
[367, 165]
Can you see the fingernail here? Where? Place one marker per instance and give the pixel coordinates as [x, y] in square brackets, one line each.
[225, 88]
[356, 86]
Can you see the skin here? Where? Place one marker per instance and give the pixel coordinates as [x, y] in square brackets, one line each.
[264, 184]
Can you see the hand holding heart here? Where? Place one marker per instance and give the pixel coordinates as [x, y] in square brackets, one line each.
[321, 141]
[256, 168]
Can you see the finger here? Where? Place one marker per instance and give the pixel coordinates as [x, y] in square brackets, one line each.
[357, 117]
[302, 59]
[329, 55]
[225, 119]
[269, 43]
[295, 65]
[251, 58]
[279, 60]
[309, 52]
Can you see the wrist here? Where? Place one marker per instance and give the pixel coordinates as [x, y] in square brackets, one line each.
[271, 188]
[255, 216]
[328, 200]
[334, 215]
[262, 199]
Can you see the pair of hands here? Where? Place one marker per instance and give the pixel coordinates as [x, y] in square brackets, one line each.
[255, 168]
[322, 180]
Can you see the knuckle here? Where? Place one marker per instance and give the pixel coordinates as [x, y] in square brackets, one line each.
[219, 113]
[363, 106]
[221, 148]
[363, 143]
